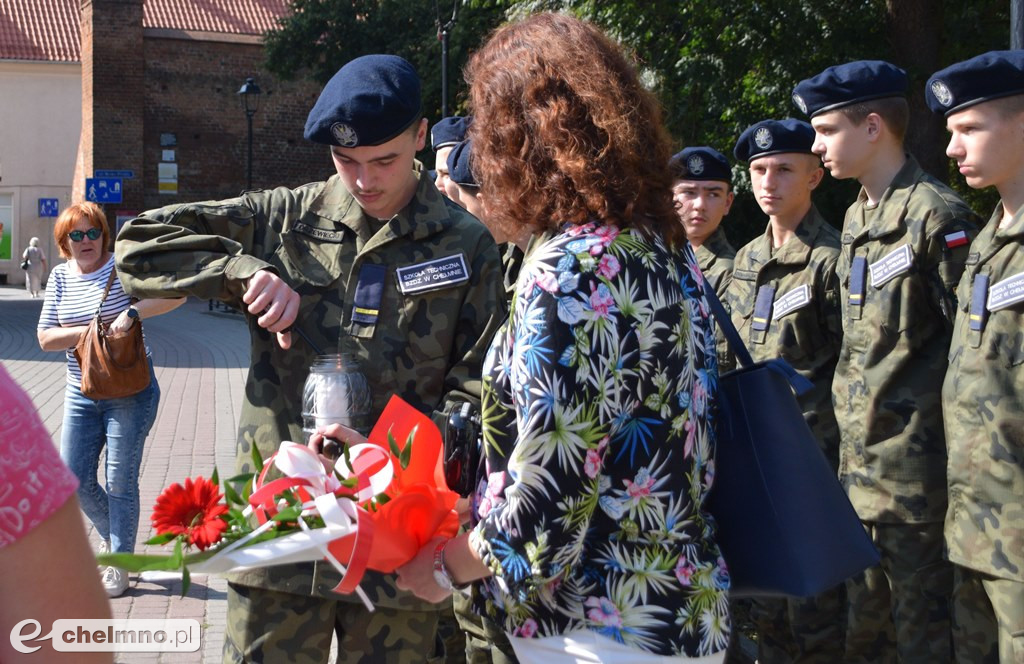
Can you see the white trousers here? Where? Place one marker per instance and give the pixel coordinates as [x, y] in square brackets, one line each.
[588, 647]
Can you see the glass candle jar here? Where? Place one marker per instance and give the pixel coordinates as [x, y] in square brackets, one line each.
[336, 392]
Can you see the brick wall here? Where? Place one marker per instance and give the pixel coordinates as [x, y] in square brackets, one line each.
[191, 91]
[112, 89]
[139, 85]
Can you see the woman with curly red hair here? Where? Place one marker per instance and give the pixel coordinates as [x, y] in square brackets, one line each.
[590, 538]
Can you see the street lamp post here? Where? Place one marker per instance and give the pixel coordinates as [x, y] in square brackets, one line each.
[443, 30]
[250, 94]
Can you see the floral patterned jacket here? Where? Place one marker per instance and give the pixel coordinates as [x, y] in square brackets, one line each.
[599, 445]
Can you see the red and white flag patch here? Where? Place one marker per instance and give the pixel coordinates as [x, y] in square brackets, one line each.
[955, 239]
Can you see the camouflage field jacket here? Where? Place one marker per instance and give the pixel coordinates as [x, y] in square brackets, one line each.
[715, 258]
[983, 406]
[798, 318]
[417, 300]
[900, 262]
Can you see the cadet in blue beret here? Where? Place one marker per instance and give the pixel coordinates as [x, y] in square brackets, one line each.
[904, 247]
[850, 83]
[983, 101]
[351, 263]
[784, 301]
[460, 186]
[444, 136]
[769, 137]
[702, 188]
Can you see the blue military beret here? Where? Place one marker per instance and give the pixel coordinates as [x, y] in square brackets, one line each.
[847, 84]
[700, 163]
[449, 131]
[371, 100]
[459, 165]
[774, 137]
[984, 77]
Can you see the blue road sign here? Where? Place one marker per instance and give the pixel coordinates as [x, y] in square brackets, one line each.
[103, 190]
[48, 207]
[124, 175]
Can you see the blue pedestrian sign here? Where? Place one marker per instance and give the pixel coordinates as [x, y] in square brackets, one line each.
[103, 190]
[48, 207]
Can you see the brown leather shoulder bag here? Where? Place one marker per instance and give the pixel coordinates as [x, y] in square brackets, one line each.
[113, 365]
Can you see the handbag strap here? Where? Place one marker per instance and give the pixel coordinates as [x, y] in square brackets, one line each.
[725, 324]
[106, 291]
[799, 383]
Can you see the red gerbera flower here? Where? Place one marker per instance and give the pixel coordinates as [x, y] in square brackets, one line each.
[193, 509]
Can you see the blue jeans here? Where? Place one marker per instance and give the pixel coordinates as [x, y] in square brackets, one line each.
[122, 426]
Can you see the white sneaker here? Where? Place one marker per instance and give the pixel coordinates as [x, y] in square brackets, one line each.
[115, 581]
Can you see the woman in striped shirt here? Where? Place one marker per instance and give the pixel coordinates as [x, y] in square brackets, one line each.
[73, 295]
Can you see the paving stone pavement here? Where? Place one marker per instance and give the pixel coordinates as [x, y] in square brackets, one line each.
[201, 359]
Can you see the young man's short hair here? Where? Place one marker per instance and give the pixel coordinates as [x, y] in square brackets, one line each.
[1008, 106]
[894, 111]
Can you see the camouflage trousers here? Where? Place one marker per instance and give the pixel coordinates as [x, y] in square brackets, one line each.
[900, 609]
[809, 630]
[486, 642]
[988, 618]
[270, 626]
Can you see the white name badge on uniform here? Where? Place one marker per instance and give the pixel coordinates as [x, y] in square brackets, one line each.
[791, 301]
[434, 274]
[1006, 293]
[891, 265]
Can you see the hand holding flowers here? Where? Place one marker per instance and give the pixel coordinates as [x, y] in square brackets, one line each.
[383, 500]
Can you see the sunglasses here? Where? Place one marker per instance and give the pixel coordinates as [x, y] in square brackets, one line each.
[92, 234]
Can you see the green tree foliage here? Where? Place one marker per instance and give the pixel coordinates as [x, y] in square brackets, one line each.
[320, 36]
[717, 66]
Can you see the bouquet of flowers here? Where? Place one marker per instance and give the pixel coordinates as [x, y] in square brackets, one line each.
[380, 504]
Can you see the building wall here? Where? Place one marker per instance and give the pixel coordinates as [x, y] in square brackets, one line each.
[191, 92]
[162, 103]
[40, 124]
[59, 123]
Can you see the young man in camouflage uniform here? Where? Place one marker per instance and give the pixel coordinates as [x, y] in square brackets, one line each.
[485, 640]
[463, 188]
[983, 395]
[444, 136]
[784, 300]
[702, 186]
[353, 263]
[902, 255]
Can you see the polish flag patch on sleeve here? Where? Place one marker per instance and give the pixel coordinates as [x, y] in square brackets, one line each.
[955, 239]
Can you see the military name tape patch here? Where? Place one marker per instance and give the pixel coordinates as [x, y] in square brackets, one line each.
[319, 233]
[437, 273]
[890, 266]
[791, 301]
[1006, 293]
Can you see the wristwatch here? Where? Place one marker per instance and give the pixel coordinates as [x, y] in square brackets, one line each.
[441, 576]
[133, 313]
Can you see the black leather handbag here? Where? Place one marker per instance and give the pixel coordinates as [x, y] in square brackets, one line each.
[785, 525]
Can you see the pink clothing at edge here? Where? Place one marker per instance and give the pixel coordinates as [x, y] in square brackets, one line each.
[34, 483]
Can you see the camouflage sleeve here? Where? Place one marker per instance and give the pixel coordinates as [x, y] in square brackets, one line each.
[945, 258]
[482, 313]
[201, 249]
